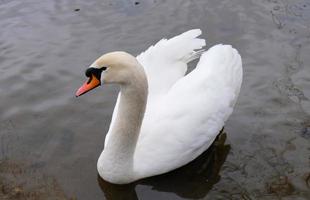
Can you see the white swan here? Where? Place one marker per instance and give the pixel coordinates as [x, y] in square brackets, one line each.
[164, 119]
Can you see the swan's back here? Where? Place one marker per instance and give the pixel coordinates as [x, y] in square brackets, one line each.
[184, 122]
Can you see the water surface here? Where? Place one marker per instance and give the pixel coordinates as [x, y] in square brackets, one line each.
[50, 141]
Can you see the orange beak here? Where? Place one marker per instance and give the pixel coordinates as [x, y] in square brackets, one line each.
[92, 83]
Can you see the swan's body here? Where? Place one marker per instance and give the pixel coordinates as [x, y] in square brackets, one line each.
[163, 119]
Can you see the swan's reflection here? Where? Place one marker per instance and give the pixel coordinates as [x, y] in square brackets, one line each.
[193, 180]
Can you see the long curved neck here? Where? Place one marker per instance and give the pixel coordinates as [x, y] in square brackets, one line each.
[126, 127]
[119, 151]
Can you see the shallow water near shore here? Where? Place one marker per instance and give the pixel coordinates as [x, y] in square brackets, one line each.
[50, 141]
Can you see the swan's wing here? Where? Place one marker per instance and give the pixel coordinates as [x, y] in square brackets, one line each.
[189, 117]
[166, 61]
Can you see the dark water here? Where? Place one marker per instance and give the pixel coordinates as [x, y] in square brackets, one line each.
[50, 141]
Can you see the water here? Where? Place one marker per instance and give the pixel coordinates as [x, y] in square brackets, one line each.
[50, 141]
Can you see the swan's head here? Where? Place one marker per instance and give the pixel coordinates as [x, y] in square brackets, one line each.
[115, 67]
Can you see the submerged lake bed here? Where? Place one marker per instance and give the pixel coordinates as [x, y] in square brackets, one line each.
[50, 141]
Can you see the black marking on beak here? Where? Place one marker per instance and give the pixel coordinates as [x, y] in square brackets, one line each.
[95, 71]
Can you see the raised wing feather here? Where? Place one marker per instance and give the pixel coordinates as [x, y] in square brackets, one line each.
[185, 121]
[166, 61]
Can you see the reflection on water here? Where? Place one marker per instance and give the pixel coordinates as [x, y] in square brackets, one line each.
[45, 47]
[197, 177]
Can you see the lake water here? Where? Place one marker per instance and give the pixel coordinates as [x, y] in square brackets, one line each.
[50, 141]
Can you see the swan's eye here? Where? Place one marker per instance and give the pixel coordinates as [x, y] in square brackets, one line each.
[103, 68]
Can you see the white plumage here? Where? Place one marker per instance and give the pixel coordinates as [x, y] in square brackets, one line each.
[189, 111]
[184, 113]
